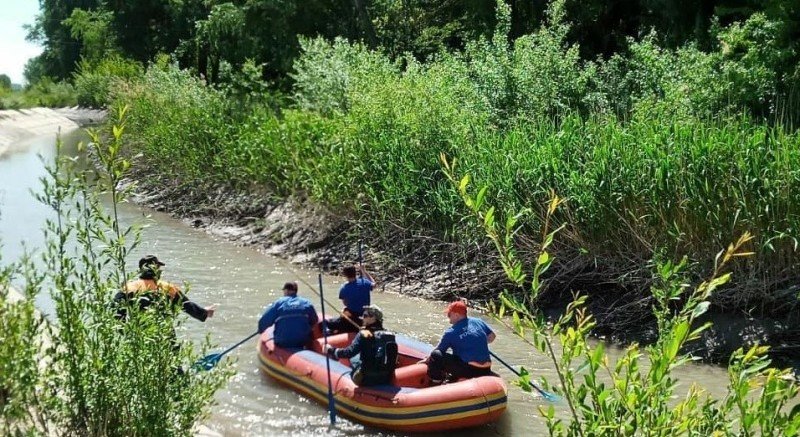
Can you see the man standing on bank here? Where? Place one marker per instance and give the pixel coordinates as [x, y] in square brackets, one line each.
[149, 289]
[355, 294]
[469, 338]
[293, 317]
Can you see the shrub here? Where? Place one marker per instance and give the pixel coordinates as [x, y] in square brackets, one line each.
[95, 81]
[631, 397]
[50, 94]
[327, 73]
[180, 121]
[98, 376]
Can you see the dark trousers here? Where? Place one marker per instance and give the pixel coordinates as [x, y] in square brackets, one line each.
[440, 365]
[341, 324]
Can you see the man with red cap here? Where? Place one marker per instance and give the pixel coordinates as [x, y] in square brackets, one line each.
[469, 339]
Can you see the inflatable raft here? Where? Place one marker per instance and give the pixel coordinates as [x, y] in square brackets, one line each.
[409, 404]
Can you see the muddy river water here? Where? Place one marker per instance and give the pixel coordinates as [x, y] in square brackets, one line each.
[242, 281]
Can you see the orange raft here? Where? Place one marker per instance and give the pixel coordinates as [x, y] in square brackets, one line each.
[409, 404]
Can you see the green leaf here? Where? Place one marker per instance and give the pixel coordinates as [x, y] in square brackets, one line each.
[488, 219]
[700, 309]
[462, 187]
[598, 354]
[676, 341]
[544, 258]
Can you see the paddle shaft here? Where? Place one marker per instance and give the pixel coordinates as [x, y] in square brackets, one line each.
[238, 344]
[544, 394]
[324, 301]
[331, 401]
[360, 258]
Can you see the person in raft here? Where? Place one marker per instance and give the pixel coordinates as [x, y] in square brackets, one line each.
[293, 317]
[355, 295]
[373, 352]
[150, 289]
[469, 338]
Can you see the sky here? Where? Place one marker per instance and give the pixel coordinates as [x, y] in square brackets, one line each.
[14, 50]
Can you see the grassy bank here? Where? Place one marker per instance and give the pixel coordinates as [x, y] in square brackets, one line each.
[656, 155]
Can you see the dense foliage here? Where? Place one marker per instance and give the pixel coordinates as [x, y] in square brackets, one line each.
[204, 34]
[45, 92]
[636, 395]
[652, 149]
[83, 372]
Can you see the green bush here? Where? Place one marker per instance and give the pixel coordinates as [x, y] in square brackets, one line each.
[50, 94]
[89, 373]
[22, 377]
[328, 73]
[636, 395]
[182, 125]
[95, 82]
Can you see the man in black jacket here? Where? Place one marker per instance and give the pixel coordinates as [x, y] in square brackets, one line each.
[376, 349]
[149, 289]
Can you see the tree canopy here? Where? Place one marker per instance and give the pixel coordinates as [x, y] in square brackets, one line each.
[5, 82]
[203, 34]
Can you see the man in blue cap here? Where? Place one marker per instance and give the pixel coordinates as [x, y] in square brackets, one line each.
[355, 294]
[293, 317]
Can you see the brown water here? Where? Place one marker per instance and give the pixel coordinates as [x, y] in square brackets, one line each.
[243, 281]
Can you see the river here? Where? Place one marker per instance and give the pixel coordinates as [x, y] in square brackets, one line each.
[242, 281]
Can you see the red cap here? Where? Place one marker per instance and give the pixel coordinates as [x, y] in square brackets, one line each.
[458, 307]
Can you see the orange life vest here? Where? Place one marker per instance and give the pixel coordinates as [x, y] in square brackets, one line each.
[149, 285]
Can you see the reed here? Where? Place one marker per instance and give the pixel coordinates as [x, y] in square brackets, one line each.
[652, 153]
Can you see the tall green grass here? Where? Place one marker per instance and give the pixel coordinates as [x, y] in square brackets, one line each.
[44, 93]
[652, 149]
[625, 397]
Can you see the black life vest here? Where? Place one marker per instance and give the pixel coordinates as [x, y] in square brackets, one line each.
[378, 359]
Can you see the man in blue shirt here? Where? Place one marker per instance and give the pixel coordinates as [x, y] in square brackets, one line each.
[469, 339]
[355, 294]
[292, 316]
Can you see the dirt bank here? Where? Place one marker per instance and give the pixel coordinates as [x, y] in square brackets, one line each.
[415, 264]
[17, 126]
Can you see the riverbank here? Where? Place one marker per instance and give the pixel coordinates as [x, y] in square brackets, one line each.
[16, 126]
[411, 263]
[308, 234]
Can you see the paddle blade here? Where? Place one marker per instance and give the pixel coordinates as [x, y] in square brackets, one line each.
[550, 397]
[530, 386]
[208, 362]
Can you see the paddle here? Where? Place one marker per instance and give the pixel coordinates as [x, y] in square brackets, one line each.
[331, 401]
[210, 361]
[548, 396]
[360, 258]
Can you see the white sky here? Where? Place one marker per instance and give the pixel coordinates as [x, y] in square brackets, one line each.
[14, 50]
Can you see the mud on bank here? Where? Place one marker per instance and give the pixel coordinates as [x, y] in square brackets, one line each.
[412, 263]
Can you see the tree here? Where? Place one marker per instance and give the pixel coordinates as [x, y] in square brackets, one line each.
[34, 69]
[5, 82]
[93, 29]
[61, 50]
